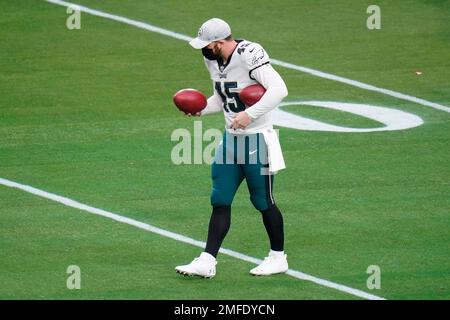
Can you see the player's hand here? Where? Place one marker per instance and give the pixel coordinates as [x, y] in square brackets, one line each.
[241, 121]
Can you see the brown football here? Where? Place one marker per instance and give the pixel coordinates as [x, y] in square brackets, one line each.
[252, 94]
[190, 100]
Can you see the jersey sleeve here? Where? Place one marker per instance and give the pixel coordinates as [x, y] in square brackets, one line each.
[255, 56]
[275, 87]
[214, 104]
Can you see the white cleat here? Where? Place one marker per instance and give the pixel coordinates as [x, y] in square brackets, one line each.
[272, 264]
[203, 266]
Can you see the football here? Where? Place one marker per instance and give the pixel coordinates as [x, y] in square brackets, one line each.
[252, 94]
[190, 100]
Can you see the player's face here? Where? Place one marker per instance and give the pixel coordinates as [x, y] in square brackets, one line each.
[216, 47]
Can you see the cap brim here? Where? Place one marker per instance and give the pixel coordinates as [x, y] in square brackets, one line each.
[197, 43]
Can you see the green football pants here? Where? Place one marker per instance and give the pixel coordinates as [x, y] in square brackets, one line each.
[240, 157]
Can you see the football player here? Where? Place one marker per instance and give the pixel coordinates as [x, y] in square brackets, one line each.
[250, 148]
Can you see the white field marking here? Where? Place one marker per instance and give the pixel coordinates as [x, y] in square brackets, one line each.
[320, 74]
[178, 237]
[392, 118]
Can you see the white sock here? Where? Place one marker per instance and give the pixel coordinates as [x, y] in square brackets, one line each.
[207, 256]
[276, 253]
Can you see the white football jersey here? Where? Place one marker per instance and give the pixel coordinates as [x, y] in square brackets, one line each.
[230, 78]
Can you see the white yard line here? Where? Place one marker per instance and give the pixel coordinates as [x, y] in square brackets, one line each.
[178, 237]
[317, 73]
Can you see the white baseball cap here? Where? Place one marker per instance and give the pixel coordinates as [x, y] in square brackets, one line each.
[212, 30]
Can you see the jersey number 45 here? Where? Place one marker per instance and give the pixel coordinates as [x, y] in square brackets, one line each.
[231, 101]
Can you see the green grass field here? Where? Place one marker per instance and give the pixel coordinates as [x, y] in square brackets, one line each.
[88, 114]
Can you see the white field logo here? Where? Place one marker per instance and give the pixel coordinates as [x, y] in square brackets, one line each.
[390, 119]
[190, 148]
